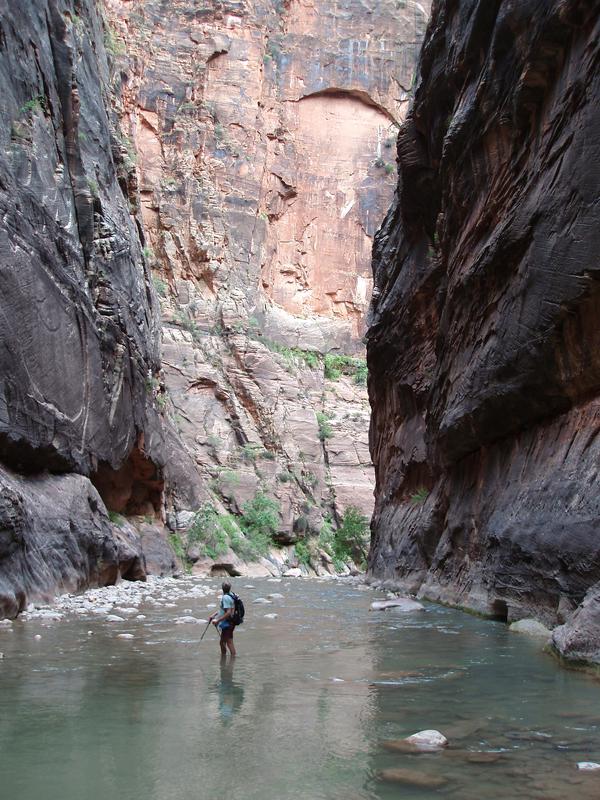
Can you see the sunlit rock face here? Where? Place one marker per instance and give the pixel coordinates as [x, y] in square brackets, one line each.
[483, 339]
[261, 139]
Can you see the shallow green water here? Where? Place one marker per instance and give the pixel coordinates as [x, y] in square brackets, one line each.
[304, 711]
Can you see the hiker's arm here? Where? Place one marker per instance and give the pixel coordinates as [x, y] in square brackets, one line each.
[228, 613]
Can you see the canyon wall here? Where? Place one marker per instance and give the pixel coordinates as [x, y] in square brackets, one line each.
[222, 166]
[79, 325]
[261, 137]
[483, 339]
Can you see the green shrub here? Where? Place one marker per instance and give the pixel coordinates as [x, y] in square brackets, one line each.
[293, 356]
[326, 536]
[419, 496]
[284, 477]
[351, 537]
[115, 517]
[208, 532]
[178, 548]
[303, 553]
[361, 374]
[325, 429]
[389, 168]
[336, 365]
[260, 521]
[37, 103]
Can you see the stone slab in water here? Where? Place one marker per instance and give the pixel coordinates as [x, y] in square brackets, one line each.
[400, 603]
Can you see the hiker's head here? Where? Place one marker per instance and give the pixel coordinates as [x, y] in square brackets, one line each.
[226, 587]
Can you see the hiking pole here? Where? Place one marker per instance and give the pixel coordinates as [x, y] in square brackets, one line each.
[205, 629]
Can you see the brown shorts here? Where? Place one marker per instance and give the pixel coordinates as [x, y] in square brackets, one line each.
[227, 633]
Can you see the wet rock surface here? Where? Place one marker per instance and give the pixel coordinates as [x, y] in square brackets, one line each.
[578, 640]
[482, 345]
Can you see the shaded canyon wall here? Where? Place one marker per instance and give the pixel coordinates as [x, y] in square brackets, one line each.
[80, 325]
[483, 338]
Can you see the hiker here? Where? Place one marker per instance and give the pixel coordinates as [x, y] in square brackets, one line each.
[222, 620]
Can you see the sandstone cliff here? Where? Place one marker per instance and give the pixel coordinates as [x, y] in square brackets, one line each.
[261, 141]
[483, 343]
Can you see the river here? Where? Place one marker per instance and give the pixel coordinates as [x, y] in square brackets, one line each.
[306, 710]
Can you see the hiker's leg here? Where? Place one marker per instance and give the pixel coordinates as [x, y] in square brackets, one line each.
[227, 640]
[222, 642]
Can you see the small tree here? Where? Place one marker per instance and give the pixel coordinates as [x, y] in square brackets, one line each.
[351, 536]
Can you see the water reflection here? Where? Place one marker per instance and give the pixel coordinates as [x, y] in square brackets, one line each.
[231, 695]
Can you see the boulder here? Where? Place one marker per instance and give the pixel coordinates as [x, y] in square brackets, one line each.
[530, 627]
[578, 640]
[404, 604]
[428, 740]
[294, 572]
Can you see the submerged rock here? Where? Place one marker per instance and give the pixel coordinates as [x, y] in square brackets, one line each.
[588, 766]
[412, 778]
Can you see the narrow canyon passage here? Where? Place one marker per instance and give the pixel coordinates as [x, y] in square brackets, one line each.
[301, 295]
[314, 706]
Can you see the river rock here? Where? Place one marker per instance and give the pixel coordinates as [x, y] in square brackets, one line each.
[275, 596]
[404, 604]
[530, 627]
[187, 620]
[114, 618]
[588, 766]
[412, 778]
[428, 740]
[294, 572]
[270, 616]
[124, 635]
[261, 601]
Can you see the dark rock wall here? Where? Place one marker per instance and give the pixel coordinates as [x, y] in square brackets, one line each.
[79, 326]
[79, 322]
[484, 339]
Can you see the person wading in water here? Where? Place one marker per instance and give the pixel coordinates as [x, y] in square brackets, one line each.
[222, 620]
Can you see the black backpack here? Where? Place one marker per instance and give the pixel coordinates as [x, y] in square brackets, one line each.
[238, 609]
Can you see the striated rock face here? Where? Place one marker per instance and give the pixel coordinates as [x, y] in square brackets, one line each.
[483, 345]
[262, 134]
[79, 327]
